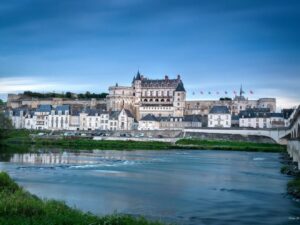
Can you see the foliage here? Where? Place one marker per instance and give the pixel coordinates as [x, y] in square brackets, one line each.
[231, 145]
[68, 94]
[24, 138]
[5, 122]
[20, 207]
[294, 187]
[226, 99]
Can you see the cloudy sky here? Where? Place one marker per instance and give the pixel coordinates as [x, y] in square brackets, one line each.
[215, 45]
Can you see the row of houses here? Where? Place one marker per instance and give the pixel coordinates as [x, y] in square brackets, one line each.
[47, 117]
[219, 116]
[62, 117]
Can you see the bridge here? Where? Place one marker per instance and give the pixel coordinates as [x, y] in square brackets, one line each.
[289, 136]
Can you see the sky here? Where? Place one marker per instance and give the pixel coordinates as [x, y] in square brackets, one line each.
[215, 45]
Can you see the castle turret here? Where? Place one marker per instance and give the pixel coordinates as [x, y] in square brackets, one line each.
[179, 99]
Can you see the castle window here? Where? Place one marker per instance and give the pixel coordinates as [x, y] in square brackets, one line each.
[156, 100]
[151, 100]
[162, 100]
[145, 100]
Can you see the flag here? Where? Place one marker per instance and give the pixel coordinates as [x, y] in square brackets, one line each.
[201, 92]
[209, 92]
[226, 92]
[193, 93]
[234, 92]
[217, 92]
[251, 92]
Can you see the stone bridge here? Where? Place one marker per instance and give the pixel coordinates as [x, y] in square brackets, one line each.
[280, 135]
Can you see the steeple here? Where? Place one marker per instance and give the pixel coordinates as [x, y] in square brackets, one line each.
[138, 76]
[241, 91]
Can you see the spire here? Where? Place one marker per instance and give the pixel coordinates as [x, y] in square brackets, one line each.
[180, 87]
[241, 91]
[138, 75]
[133, 79]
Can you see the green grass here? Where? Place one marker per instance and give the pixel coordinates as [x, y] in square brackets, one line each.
[17, 206]
[230, 145]
[14, 139]
[293, 187]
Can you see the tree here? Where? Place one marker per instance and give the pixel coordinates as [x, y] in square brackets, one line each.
[5, 122]
[68, 94]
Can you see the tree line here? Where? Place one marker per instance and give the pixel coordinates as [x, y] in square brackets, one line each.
[70, 95]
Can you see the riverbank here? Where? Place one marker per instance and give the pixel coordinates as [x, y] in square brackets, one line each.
[291, 169]
[17, 206]
[19, 138]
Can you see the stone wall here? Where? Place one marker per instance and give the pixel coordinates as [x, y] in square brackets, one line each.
[293, 148]
[230, 137]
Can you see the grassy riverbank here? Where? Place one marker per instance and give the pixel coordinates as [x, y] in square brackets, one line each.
[24, 138]
[17, 206]
[230, 145]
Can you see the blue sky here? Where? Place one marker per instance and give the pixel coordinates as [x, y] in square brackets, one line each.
[215, 45]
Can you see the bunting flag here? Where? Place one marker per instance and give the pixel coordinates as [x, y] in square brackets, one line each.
[203, 92]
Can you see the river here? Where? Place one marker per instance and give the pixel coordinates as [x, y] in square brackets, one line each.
[182, 187]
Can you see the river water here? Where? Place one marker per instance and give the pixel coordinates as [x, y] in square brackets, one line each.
[182, 187]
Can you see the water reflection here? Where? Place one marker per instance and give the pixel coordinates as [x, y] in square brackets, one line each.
[185, 187]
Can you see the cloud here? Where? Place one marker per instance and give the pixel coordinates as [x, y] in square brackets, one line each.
[20, 84]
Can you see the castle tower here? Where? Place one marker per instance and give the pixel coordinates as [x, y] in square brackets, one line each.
[179, 100]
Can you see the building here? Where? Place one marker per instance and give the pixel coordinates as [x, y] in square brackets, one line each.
[20, 100]
[160, 97]
[239, 103]
[219, 116]
[151, 122]
[59, 118]
[255, 118]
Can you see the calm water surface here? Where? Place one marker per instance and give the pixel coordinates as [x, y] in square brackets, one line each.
[185, 187]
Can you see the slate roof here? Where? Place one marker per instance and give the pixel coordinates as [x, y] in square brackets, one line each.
[62, 108]
[254, 113]
[235, 117]
[219, 109]
[129, 114]
[279, 115]
[287, 113]
[180, 87]
[149, 117]
[114, 114]
[44, 108]
[192, 118]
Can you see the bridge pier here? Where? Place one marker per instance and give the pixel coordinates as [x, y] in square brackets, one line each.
[293, 149]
